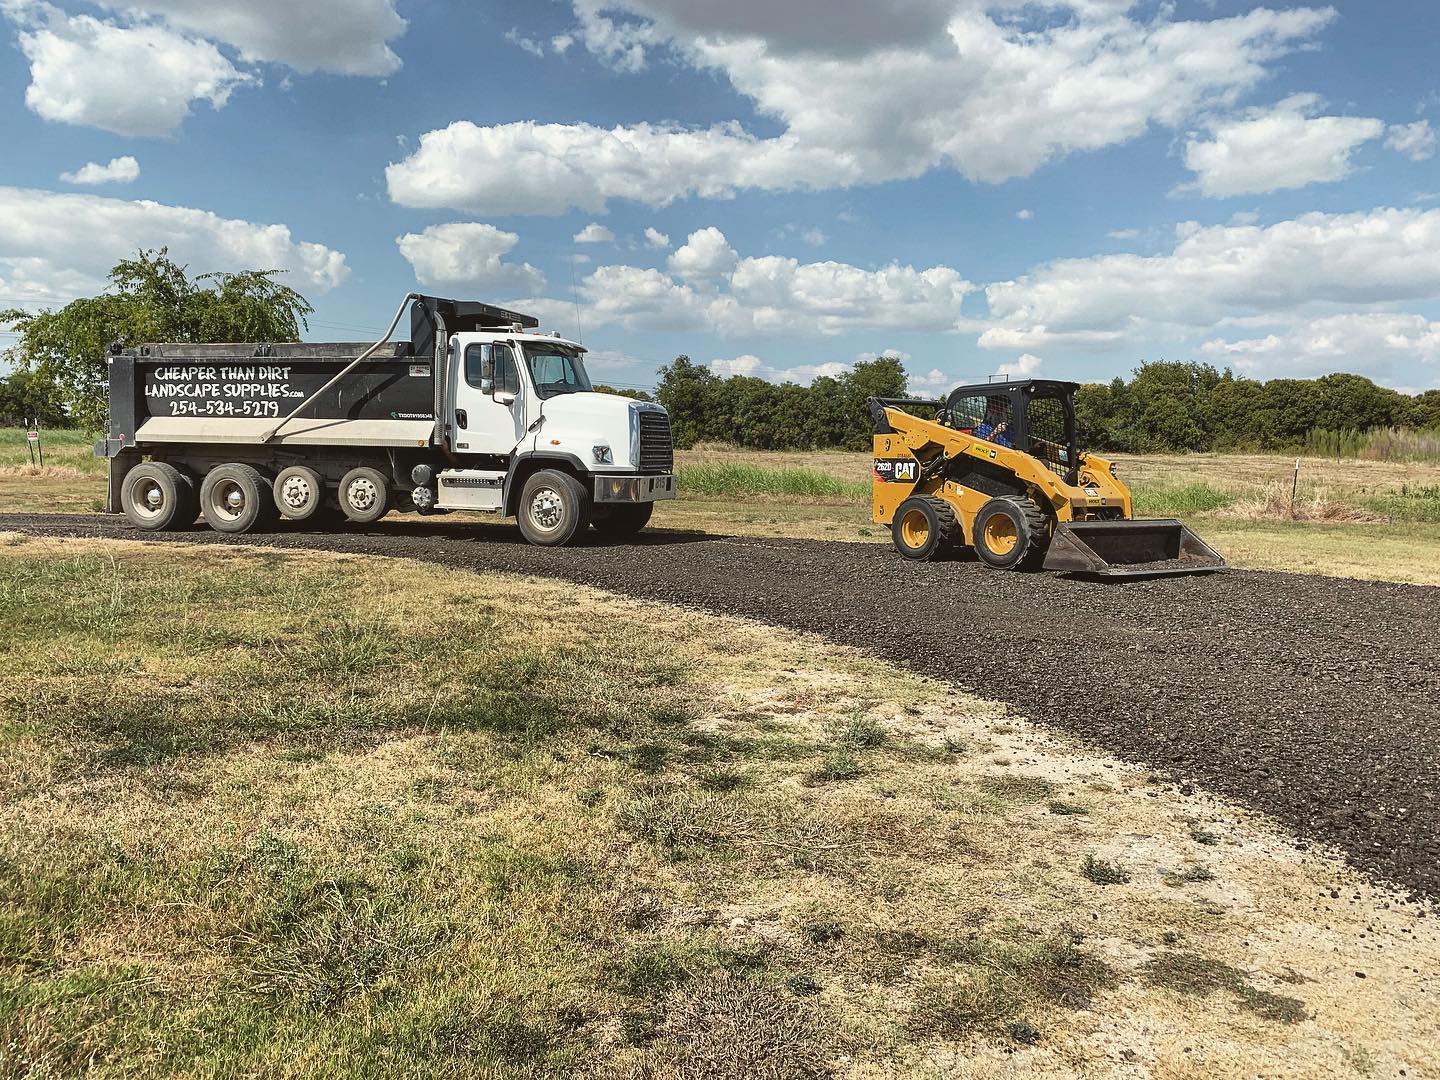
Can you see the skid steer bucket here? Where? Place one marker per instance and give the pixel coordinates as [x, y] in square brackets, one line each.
[1130, 549]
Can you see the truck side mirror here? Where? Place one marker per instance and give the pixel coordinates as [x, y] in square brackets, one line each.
[504, 397]
[487, 386]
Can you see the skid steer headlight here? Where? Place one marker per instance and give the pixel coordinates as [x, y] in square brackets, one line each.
[602, 455]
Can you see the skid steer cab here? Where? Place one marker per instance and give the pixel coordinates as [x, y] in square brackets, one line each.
[998, 469]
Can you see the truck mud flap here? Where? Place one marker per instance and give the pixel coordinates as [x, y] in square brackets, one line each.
[1156, 548]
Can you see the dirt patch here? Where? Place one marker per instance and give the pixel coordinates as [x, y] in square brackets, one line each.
[1311, 698]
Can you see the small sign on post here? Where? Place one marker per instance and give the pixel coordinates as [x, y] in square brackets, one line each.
[32, 443]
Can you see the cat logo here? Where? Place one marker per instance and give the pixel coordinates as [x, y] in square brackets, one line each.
[897, 470]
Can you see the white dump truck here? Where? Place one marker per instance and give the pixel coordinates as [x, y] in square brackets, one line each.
[477, 411]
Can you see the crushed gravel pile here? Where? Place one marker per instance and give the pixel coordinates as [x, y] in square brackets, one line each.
[1314, 699]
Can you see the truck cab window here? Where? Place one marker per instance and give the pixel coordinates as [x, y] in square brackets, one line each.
[556, 372]
[492, 363]
[507, 375]
[477, 365]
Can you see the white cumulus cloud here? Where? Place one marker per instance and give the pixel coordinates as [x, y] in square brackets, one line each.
[655, 238]
[120, 170]
[1217, 272]
[990, 98]
[934, 383]
[469, 255]
[1416, 141]
[1378, 344]
[705, 254]
[594, 233]
[139, 80]
[344, 37]
[54, 246]
[708, 286]
[1271, 149]
[1026, 366]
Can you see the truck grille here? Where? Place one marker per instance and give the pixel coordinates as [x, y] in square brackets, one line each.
[657, 449]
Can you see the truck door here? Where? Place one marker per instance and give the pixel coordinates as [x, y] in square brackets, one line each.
[489, 400]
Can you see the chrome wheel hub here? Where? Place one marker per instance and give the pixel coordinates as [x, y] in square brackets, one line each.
[232, 499]
[547, 509]
[362, 494]
[154, 497]
[295, 492]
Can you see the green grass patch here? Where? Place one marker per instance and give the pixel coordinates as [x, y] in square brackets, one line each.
[1162, 500]
[1418, 503]
[741, 480]
[1103, 871]
[63, 447]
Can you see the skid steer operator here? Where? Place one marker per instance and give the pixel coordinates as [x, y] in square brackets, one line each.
[996, 425]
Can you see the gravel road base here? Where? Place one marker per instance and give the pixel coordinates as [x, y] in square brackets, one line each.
[1314, 699]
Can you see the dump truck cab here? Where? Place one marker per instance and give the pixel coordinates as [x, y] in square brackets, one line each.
[999, 468]
[522, 401]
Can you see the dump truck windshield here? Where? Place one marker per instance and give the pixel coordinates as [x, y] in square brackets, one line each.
[556, 371]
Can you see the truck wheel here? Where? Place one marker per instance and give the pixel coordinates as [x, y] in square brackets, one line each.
[299, 492]
[553, 508]
[364, 495]
[924, 527]
[155, 495]
[235, 498]
[1010, 532]
[619, 522]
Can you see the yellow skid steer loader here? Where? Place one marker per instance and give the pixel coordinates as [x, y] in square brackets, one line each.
[999, 470]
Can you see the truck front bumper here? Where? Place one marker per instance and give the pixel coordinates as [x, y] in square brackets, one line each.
[634, 489]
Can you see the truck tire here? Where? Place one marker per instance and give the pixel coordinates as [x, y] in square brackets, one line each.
[1010, 532]
[553, 507]
[621, 522]
[155, 495]
[235, 498]
[924, 527]
[299, 492]
[364, 495]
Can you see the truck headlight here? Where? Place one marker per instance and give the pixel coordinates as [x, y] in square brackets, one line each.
[602, 455]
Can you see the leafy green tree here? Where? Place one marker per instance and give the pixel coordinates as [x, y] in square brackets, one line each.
[1232, 415]
[1354, 403]
[1424, 411]
[24, 395]
[683, 389]
[151, 298]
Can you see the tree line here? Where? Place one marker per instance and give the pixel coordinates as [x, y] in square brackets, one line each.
[1162, 407]
[1174, 406]
[745, 411]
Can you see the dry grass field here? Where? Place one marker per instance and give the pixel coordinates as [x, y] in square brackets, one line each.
[295, 815]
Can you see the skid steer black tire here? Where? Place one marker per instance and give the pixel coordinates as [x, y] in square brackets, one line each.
[1011, 533]
[925, 527]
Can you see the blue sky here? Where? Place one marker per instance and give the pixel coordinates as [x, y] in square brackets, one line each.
[1063, 188]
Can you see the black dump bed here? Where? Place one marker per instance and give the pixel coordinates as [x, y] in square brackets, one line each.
[238, 393]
